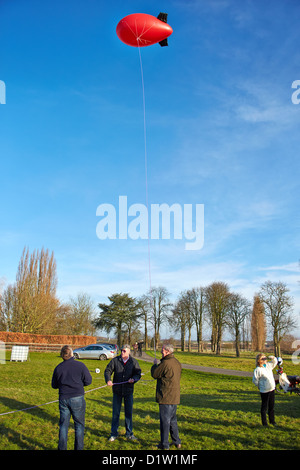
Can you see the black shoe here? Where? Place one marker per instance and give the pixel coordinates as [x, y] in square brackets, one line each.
[162, 448]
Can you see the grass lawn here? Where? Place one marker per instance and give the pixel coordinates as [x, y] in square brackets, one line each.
[217, 412]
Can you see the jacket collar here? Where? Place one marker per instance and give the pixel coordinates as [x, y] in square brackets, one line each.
[168, 356]
[121, 360]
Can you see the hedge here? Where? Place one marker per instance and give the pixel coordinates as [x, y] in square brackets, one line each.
[11, 337]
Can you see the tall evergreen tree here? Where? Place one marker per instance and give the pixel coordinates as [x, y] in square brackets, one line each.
[258, 325]
[120, 316]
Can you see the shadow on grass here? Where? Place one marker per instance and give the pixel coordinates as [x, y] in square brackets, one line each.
[18, 406]
[244, 401]
[210, 419]
[24, 442]
[23, 439]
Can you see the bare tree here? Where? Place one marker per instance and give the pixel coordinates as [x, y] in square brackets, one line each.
[217, 302]
[187, 306]
[159, 308]
[81, 315]
[2, 284]
[238, 311]
[144, 309]
[178, 320]
[63, 324]
[197, 296]
[188, 313]
[7, 308]
[278, 307]
[31, 304]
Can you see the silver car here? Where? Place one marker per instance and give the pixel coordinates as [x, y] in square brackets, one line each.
[94, 351]
[114, 347]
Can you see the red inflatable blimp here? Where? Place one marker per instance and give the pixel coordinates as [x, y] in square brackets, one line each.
[140, 30]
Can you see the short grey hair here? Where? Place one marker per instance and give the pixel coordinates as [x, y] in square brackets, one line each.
[168, 347]
[126, 346]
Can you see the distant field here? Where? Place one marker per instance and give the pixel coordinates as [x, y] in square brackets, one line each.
[217, 412]
[228, 360]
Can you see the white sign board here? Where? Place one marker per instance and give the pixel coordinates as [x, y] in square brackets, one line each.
[19, 353]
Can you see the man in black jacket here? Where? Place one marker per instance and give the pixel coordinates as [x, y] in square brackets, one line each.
[126, 371]
[70, 377]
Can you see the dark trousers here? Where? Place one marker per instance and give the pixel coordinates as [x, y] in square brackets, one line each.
[74, 407]
[128, 404]
[267, 407]
[168, 425]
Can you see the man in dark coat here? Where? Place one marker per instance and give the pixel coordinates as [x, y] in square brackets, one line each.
[168, 374]
[126, 372]
[70, 377]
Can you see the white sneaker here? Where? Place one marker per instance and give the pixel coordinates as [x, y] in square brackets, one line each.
[112, 438]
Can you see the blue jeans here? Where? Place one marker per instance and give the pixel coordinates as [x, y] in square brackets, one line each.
[168, 425]
[74, 407]
[128, 404]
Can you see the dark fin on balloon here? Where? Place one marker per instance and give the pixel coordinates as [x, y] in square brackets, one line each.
[163, 17]
[164, 42]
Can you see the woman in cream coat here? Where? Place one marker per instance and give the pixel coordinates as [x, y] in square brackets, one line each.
[263, 378]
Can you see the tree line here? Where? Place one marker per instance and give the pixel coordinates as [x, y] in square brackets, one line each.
[30, 305]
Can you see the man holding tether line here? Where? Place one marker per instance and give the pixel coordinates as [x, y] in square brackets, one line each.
[126, 372]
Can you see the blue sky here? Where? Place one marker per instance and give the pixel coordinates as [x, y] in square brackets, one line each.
[221, 128]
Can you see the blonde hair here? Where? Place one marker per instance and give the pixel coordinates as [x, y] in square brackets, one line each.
[258, 359]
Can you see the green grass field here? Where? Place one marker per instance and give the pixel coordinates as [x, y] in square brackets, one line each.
[217, 412]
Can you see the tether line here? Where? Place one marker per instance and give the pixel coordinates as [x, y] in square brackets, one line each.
[146, 179]
[56, 401]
